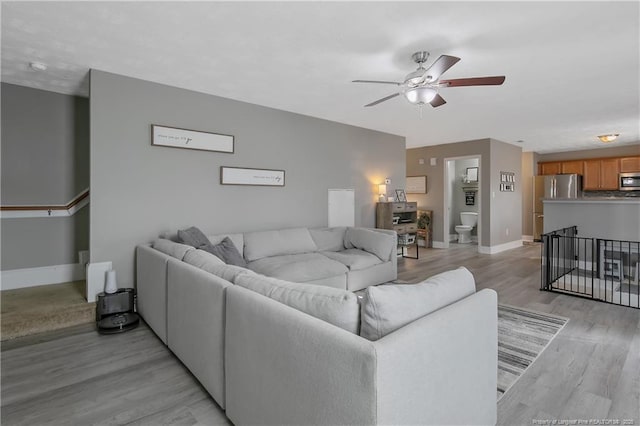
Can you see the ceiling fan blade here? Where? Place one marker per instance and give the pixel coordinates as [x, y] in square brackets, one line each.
[439, 67]
[437, 101]
[377, 81]
[474, 81]
[386, 98]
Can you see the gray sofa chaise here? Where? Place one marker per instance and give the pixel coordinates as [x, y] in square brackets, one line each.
[272, 351]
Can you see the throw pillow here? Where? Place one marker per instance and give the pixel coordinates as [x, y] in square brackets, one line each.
[226, 251]
[193, 236]
[386, 308]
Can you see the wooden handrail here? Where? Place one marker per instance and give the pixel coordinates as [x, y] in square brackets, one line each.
[69, 208]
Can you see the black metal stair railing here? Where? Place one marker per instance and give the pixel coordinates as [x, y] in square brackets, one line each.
[599, 269]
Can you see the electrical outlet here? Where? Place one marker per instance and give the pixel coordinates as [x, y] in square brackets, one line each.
[421, 161]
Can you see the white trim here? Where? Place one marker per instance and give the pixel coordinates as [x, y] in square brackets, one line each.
[95, 278]
[439, 245]
[528, 238]
[45, 275]
[500, 247]
[13, 214]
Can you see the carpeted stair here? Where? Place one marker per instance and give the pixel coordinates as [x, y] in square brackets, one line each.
[34, 310]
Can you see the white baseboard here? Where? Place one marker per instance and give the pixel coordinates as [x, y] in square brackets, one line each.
[439, 244]
[45, 275]
[528, 238]
[500, 247]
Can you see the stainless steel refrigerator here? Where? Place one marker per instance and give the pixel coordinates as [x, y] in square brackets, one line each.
[552, 186]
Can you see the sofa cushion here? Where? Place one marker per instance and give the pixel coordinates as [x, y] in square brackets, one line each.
[337, 307]
[298, 268]
[212, 264]
[386, 308]
[202, 259]
[354, 259]
[378, 243]
[227, 251]
[238, 240]
[328, 239]
[172, 248]
[275, 243]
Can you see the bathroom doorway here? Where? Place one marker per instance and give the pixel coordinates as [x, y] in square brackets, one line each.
[462, 193]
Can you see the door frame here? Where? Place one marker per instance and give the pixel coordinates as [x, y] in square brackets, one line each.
[447, 197]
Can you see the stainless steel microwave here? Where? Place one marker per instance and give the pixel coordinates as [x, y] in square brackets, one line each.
[629, 181]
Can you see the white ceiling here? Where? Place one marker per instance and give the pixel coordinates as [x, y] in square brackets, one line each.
[572, 68]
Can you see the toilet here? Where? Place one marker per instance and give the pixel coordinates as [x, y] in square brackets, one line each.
[469, 220]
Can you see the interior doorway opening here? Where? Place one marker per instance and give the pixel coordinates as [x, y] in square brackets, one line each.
[462, 201]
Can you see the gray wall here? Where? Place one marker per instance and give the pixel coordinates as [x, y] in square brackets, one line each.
[139, 191]
[506, 207]
[623, 223]
[45, 160]
[499, 210]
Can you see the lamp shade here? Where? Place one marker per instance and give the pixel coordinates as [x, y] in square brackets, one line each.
[420, 95]
[382, 189]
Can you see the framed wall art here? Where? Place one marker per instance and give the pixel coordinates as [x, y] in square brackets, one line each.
[253, 177]
[416, 185]
[191, 139]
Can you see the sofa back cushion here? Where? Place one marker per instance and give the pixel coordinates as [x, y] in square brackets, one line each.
[328, 239]
[386, 308]
[337, 307]
[378, 243]
[212, 264]
[275, 243]
[172, 248]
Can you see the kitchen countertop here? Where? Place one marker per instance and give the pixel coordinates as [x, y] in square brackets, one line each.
[594, 200]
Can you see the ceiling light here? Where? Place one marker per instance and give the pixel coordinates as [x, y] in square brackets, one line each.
[420, 95]
[608, 138]
[37, 66]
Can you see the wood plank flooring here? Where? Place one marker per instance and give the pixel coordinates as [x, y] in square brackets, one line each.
[75, 376]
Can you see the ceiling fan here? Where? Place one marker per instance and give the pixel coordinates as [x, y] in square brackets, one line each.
[421, 86]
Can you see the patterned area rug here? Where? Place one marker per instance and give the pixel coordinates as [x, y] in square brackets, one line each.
[522, 336]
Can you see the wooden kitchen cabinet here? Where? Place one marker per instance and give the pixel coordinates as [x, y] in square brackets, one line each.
[591, 175]
[550, 168]
[609, 169]
[576, 167]
[601, 175]
[629, 164]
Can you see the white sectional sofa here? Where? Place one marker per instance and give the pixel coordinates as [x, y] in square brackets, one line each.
[271, 351]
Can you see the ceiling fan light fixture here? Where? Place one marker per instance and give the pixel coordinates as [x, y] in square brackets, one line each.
[608, 138]
[420, 95]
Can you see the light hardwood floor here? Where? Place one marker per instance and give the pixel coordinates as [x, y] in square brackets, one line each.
[591, 370]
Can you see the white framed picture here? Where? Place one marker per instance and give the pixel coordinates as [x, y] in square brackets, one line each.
[254, 177]
[191, 139]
